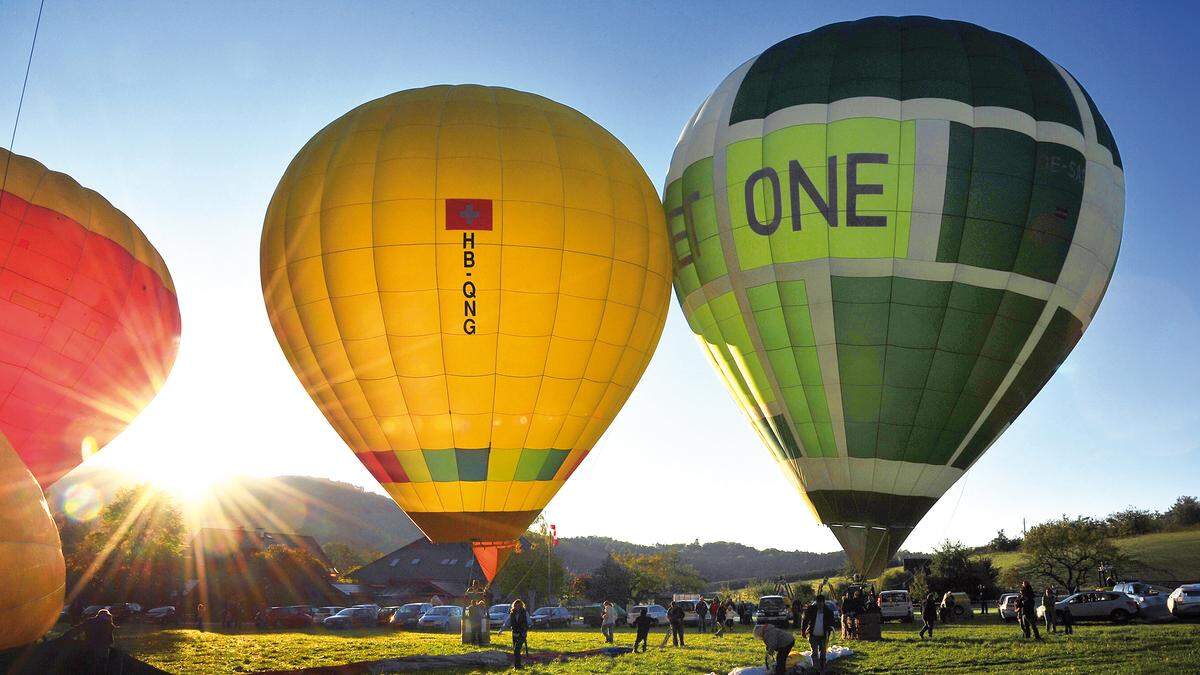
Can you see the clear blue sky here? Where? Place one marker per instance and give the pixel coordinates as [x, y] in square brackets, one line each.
[185, 114]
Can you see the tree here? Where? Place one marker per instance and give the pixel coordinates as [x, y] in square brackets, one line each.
[524, 575]
[652, 573]
[346, 558]
[893, 580]
[1066, 549]
[133, 552]
[1184, 513]
[1132, 522]
[610, 581]
[284, 575]
[1001, 543]
[919, 589]
[578, 587]
[954, 568]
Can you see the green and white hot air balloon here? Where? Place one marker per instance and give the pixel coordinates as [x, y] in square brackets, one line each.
[888, 234]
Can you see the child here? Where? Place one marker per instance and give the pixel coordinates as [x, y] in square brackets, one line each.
[642, 622]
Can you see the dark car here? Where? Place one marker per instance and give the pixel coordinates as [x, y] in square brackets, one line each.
[121, 612]
[407, 616]
[549, 617]
[295, 616]
[773, 609]
[353, 617]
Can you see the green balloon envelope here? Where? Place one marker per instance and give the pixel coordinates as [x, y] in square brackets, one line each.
[888, 234]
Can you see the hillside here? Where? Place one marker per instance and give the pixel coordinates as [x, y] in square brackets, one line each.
[329, 510]
[1164, 556]
[716, 561]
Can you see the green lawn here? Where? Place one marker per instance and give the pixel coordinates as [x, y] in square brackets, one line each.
[968, 647]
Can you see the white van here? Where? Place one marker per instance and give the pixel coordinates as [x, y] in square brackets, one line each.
[895, 605]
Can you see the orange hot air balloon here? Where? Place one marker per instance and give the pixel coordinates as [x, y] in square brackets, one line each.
[89, 322]
[31, 559]
[469, 281]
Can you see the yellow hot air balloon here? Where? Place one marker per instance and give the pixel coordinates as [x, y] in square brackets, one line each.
[31, 559]
[469, 282]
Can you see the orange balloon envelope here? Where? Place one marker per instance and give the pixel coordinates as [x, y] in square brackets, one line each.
[469, 281]
[89, 322]
[31, 560]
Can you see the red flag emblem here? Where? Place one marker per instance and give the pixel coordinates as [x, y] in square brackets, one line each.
[469, 214]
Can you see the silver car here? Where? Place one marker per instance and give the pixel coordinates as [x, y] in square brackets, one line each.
[1152, 603]
[1096, 605]
[1185, 601]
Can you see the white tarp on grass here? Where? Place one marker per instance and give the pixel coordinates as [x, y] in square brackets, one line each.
[832, 654]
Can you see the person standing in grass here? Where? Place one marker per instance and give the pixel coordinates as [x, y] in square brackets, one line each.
[816, 623]
[779, 644]
[928, 612]
[608, 621]
[1028, 603]
[719, 620]
[701, 616]
[1048, 601]
[642, 623]
[675, 617]
[797, 611]
[1068, 621]
[519, 625]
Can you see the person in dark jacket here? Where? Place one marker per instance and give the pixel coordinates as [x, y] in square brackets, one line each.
[701, 616]
[642, 623]
[518, 619]
[1028, 602]
[929, 610]
[1048, 602]
[1068, 621]
[816, 623]
[779, 644]
[797, 610]
[675, 617]
[98, 634]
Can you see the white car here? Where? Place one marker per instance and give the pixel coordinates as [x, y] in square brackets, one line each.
[1185, 601]
[1007, 606]
[895, 605]
[319, 614]
[498, 616]
[1095, 605]
[442, 617]
[1152, 604]
[657, 614]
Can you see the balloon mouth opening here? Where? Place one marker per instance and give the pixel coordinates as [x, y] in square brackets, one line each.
[491, 555]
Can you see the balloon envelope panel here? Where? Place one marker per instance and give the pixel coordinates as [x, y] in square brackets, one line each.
[89, 320]
[31, 559]
[468, 281]
[888, 234]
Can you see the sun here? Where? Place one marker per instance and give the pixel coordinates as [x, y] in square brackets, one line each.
[187, 480]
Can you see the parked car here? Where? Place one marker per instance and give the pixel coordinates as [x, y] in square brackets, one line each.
[690, 616]
[121, 612]
[962, 605]
[656, 613]
[408, 616]
[163, 616]
[1096, 605]
[895, 605]
[1007, 606]
[773, 609]
[385, 615]
[549, 617]
[593, 615]
[353, 617]
[442, 617]
[1184, 601]
[1152, 603]
[294, 616]
[498, 616]
[319, 614]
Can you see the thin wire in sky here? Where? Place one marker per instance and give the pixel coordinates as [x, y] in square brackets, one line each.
[21, 101]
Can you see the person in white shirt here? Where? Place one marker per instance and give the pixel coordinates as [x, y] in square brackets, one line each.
[608, 621]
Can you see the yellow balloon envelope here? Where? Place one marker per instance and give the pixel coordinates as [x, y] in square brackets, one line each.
[31, 559]
[469, 281]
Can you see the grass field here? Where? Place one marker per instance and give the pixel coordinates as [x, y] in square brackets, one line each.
[968, 647]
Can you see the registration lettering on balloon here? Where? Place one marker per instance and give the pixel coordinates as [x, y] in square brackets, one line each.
[474, 215]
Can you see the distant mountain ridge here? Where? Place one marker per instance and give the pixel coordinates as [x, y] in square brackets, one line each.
[333, 511]
[716, 561]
